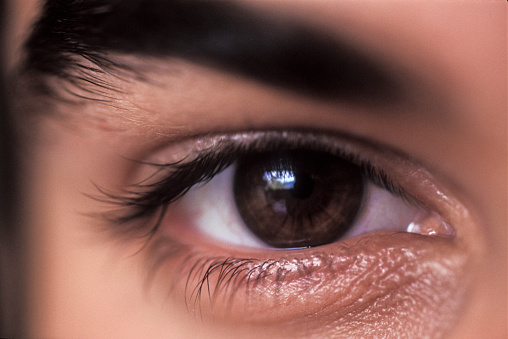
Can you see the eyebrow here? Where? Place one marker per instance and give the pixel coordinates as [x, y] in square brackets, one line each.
[278, 51]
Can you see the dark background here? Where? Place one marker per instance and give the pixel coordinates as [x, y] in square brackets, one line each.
[10, 230]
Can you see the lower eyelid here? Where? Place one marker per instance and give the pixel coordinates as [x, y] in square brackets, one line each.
[337, 281]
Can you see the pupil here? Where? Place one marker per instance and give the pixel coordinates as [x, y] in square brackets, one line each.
[298, 198]
[303, 187]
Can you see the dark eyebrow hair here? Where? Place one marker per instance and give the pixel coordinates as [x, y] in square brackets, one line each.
[274, 50]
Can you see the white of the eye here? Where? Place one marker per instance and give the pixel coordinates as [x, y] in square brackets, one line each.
[213, 211]
[384, 211]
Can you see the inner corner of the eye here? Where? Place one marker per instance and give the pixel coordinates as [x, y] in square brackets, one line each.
[431, 224]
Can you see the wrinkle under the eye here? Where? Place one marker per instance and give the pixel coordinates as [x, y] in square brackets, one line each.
[336, 282]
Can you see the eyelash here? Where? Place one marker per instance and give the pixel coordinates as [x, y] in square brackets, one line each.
[147, 199]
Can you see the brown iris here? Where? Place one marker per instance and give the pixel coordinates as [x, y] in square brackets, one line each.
[298, 198]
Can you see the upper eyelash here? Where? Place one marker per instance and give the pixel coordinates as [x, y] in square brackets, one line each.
[145, 199]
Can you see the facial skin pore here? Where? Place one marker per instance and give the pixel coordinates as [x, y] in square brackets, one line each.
[445, 141]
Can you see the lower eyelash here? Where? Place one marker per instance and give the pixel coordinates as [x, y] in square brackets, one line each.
[201, 270]
[210, 278]
[230, 272]
[207, 278]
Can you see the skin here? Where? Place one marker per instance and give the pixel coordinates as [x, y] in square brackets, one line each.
[85, 284]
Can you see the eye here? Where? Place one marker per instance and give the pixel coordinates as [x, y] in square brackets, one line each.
[286, 190]
[295, 199]
[327, 225]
